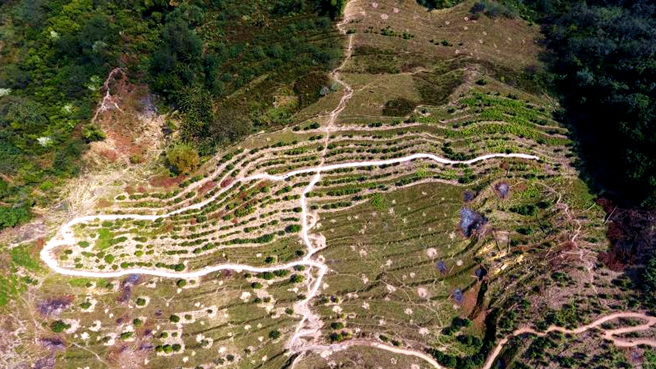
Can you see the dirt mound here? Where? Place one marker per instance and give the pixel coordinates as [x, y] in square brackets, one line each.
[471, 221]
[47, 362]
[458, 296]
[53, 343]
[502, 189]
[468, 196]
[441, 267]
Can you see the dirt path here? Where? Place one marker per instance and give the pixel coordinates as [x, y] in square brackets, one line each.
[608, 334]
[311, 323]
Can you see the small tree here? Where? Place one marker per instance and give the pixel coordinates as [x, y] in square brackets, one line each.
[93, 133]
[293, 228]
[9, 216]
[59, 326]
[183, 158]
[336, 325]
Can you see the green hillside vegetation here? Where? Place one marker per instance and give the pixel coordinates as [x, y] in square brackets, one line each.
[222, 63]
[602, 59]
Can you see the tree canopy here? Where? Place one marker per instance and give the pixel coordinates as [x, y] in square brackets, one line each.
[604, 58]
[183, 158]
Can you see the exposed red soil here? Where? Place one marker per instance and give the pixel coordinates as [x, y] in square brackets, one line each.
[469, 299]
[119, 116]
[109, 155]
[206, 187]
[630, 233]
[166, 181]
[103, 203]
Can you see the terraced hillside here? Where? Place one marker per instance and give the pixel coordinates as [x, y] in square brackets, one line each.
[416, 216]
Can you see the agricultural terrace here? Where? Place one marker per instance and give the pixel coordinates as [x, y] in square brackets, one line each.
[401, 287]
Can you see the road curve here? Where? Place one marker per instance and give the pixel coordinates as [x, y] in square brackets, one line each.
[65, 235]
[609, 334]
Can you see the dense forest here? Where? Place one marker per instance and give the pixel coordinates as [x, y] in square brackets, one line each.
[221, 63]
[604, 61]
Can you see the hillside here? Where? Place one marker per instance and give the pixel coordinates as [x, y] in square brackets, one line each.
[405, 197]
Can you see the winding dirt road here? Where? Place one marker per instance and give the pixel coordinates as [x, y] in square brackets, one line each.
[353, 343]
[608, 334]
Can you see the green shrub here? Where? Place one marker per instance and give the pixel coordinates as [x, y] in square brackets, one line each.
[126, 335]
[93, 133]
[293, 228]
[336, 325]
[11, 216]
[85, 305]
[59, 326]
[183, 158]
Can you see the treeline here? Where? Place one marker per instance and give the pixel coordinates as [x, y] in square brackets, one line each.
[603, 55]
[229, 66]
